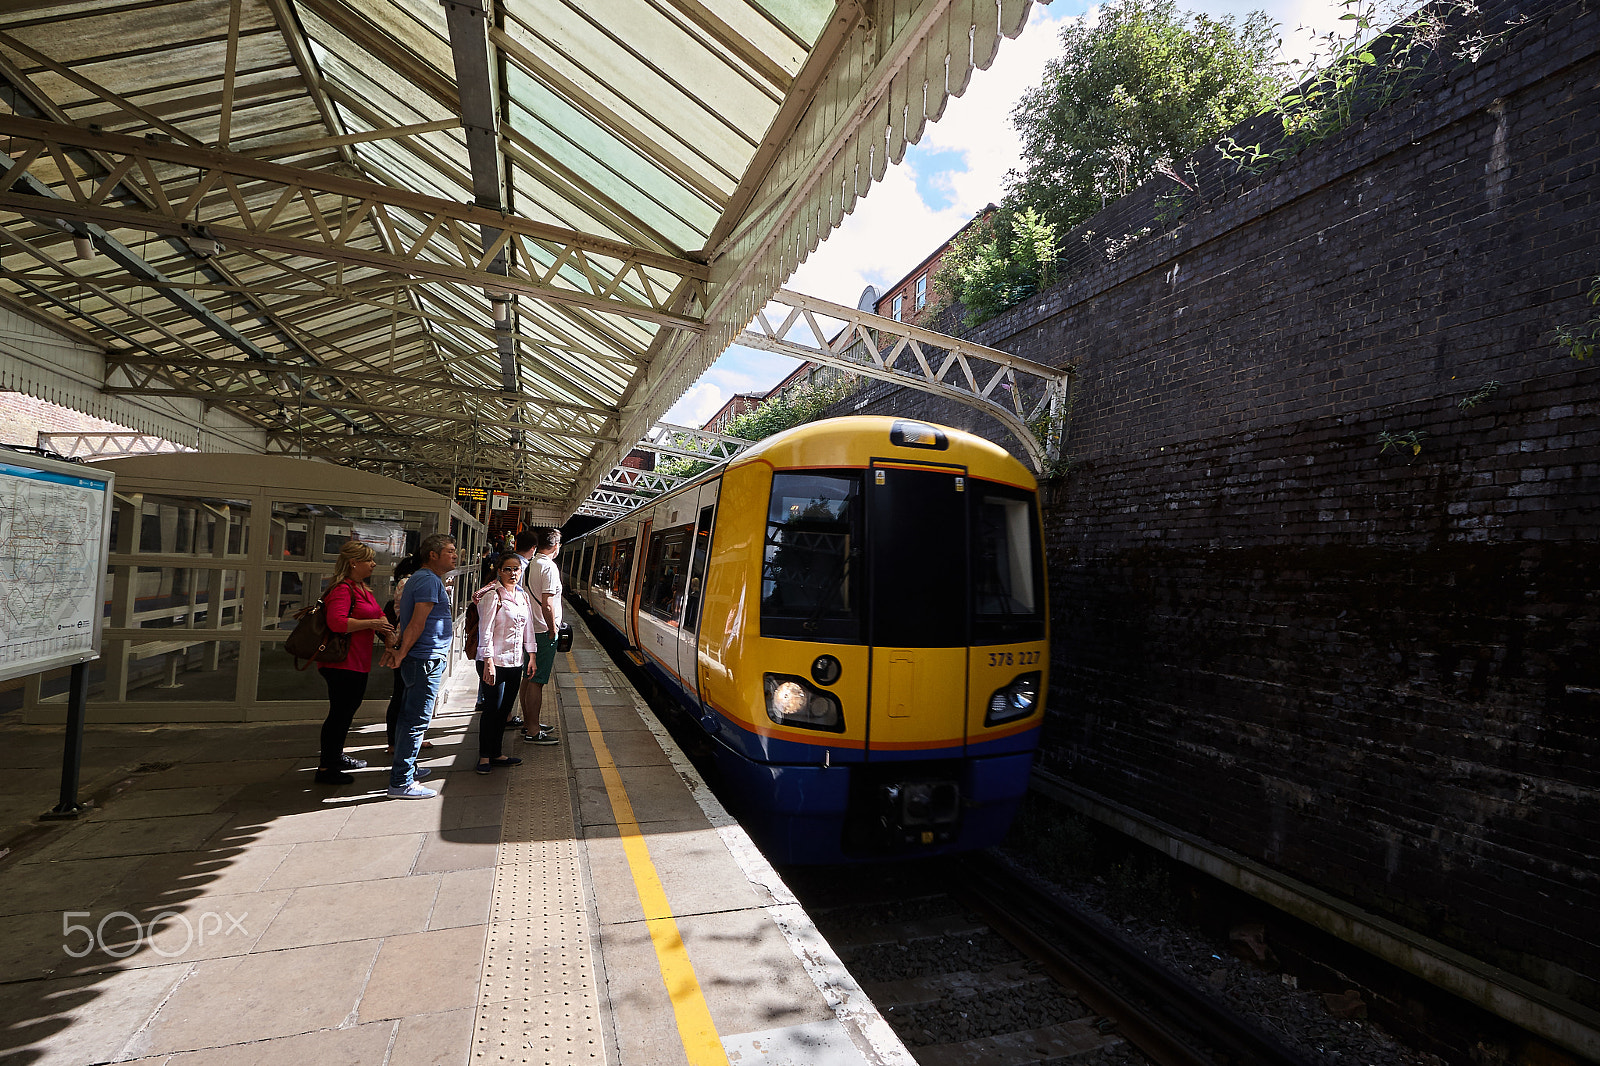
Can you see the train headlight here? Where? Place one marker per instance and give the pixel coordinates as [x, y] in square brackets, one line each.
[791, 701]
[1016, 700]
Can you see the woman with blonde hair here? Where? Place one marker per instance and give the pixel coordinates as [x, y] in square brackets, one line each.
[351, 608]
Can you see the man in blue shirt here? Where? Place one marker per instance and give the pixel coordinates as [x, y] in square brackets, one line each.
[420, 655]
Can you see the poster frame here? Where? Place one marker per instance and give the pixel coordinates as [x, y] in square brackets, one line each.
[83, 472]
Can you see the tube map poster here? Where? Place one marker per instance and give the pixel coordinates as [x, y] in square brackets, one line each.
[52, 557]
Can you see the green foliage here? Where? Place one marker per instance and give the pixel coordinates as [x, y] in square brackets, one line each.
[682, 466]
[801, 404]
[1144, 86]
[996, 263]
[1409, 441]
[1580, 340]
[1357, 71]
[1479, 395]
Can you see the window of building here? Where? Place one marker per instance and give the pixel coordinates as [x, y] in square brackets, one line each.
[922, 292]
[899, 306]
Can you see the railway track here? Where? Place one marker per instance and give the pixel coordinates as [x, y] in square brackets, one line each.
[976, 966]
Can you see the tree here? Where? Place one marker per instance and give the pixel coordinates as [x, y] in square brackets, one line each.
[1143, 87]
[994, 264]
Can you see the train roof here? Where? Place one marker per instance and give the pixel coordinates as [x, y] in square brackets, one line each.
[855, 441]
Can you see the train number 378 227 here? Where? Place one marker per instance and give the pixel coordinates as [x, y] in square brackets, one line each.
[1013, 658]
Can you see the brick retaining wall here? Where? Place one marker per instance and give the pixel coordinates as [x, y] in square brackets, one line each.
[1375, 670]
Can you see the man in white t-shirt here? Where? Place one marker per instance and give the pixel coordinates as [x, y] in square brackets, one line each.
[543, 579]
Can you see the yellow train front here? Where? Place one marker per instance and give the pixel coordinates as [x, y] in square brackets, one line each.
[855, 610]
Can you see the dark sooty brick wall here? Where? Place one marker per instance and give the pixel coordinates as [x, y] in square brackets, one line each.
[1377, 671]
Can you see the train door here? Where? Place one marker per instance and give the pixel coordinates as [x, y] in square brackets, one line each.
[917, 628]
[630, 594]
[689, 630]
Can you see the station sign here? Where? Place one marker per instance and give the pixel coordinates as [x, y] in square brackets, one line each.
[471, 495]
[499, 501]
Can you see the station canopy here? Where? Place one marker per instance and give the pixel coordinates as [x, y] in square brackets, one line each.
[462, 242]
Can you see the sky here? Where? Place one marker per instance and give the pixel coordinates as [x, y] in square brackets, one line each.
[950, 176]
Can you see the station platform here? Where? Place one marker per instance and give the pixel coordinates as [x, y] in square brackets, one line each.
[593, 905]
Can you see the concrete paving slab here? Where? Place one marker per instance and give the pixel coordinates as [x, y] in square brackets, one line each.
[286, 827]
[146, 803]
[693, 863]
[459, 849]
[628, 748]
[424, 973]
[233, 771]
[217, 927]
[463, 898]
[258, 997]
[75, 1020]
[144, 836]
[328, 862]
[359, 910]
[442, 1039]
[34, 945]
[34, 886]
[360, 1045]
[190, 875]
[656, 792]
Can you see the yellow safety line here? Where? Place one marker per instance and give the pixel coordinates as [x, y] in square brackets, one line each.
[701, 1043]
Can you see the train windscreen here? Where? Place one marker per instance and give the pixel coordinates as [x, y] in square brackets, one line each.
[810, 585]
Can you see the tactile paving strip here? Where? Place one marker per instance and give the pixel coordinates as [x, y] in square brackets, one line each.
[537, 999]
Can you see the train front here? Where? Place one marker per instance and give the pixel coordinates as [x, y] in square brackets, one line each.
[879, 682]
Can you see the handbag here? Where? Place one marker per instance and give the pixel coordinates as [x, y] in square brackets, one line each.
[564, 637]
[313, 641]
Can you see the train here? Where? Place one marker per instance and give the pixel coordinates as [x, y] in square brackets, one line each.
[854, 612]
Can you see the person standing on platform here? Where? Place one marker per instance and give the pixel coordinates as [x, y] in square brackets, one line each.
[350, 608]
[544, 583]
[505, 640]
[421, 655]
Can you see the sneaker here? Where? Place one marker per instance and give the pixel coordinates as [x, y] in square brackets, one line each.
[412, 791]
[542, 738]
[420, 773]
[483, 768]
[333, 777]
[514, 722]
[350, 762]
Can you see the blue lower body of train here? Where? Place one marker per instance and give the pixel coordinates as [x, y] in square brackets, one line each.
[858, 807]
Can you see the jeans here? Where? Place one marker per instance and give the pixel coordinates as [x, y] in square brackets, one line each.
[397, 697]
[422, 677]
[346, 689]
[494, 707]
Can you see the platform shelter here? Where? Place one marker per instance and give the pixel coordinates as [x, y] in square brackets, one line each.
[212, 556]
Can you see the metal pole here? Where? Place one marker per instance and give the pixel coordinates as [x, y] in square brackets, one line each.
[72, 753]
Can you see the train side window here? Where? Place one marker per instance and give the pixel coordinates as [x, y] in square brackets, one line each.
[583, 567]
[666, 573]
[621, 568]
[1007, 567]
[697, 570]
[810, 574]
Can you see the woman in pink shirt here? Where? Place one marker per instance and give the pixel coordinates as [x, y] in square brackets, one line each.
[351, 608]
[505, 637]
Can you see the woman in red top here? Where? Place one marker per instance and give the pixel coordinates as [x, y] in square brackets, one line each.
[353, 609]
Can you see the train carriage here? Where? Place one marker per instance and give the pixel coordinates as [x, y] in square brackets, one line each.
[855, 611]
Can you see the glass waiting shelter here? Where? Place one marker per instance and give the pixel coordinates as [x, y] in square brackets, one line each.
[211, 556]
